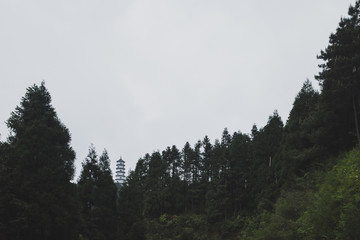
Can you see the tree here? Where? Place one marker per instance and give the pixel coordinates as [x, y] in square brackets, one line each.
[197, 189]
[298, 148]
[172, 158]
[40, 162]
[130, 204]
[189, 171]
[265, 146]
[8, 205]
[106, 198]
[157, 180]
[87, 187]
[239, 172]
[335, 208]
[97, 192]
[206, 159]
[187, 154]
[339, 78]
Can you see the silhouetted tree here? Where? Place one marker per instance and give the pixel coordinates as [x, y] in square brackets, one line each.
[339, 78]
[97, 192]
[39, 161]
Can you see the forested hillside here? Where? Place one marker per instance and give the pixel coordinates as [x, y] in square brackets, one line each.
[297, 179]
[281, 181]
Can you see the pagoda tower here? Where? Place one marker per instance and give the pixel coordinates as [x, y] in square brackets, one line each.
[120, 172]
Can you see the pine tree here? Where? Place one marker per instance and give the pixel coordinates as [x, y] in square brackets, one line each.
[40, 161]
[172, 157]
[206, 159]
[187, 160]
[187, 154]
[155, 203]
[339, 78]
[97, 192]
[239, 172]
[265, 146]
[299, 149]
[87, 187]
[8, 203]
[196, 189]
[106, 198]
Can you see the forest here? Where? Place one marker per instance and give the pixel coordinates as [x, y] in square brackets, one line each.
[297, 179]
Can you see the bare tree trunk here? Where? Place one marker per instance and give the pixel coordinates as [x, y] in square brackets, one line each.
[356, 119]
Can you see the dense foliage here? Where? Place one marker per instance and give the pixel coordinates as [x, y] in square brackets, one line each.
[97, 194]
[298, 180]
[272, 183]
[37, 197]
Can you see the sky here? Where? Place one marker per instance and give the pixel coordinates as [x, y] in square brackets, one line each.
[137, 76]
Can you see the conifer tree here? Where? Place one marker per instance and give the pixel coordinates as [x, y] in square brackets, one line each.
[298, 148]
[87, 187]
[40, 160]
[239, 172]
[106, 197]
[265, 147]
[157, 179]
[206, 159]
[172, 158]
[8, 205]
[97, 192]
[339, 78]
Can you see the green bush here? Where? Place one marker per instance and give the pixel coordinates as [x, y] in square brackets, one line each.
[335, 212]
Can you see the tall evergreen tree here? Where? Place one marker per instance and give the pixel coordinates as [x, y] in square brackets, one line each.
[239, 172]
[40, 162]
[187, 154]
[196, 189]
[173, 155]
[106, 197]
[265, 146]
[87, 187]
[97, 192]
[206, 159]
[339, 78]
[8, 199]
[130, 206]
[156, 185]
[299, 149]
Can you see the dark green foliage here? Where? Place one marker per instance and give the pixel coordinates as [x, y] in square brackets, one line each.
[334, 213]
[206, 160]
[137, 231]
[172, 158]
[97, 192]
[157, 180]
[299, 146]
[263, 179]
[178, 227]
[340, 97]
[130, 206]
[215, 181]
[259, 184]
[8, 203]
[283, 222]
[37, 163]
[239, 173]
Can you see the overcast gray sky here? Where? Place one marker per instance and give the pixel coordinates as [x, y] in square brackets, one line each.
[137, 76]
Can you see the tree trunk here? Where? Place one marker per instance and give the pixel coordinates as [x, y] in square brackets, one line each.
[356, 118]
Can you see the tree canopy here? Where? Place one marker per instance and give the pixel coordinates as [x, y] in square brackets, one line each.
[38, 164]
